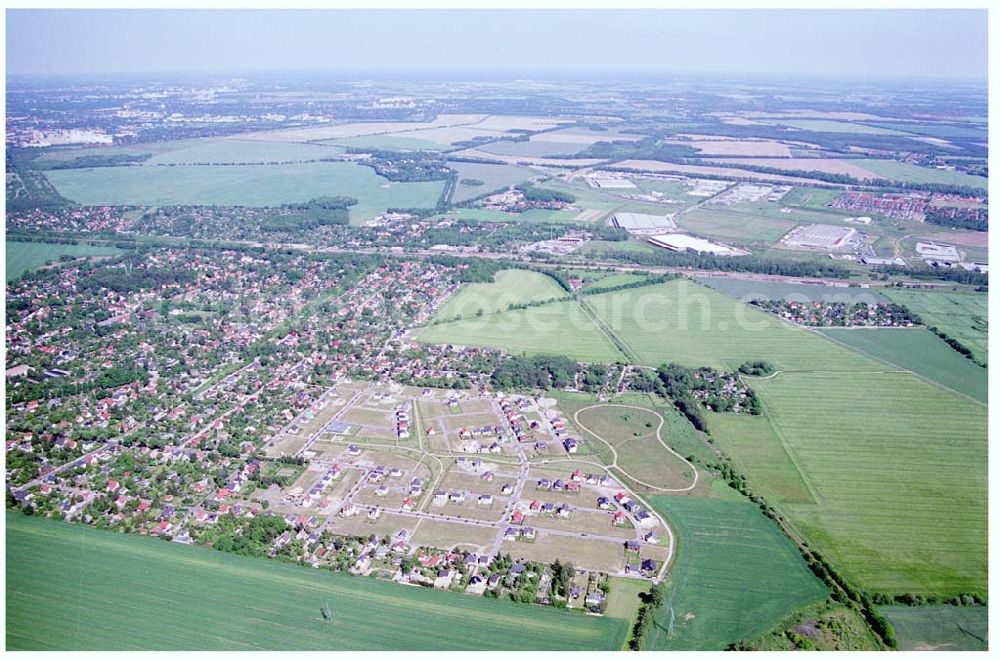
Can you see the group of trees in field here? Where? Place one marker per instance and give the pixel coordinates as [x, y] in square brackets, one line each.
[534, 372]
[317, 212]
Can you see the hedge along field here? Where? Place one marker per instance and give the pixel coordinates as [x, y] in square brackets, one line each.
[680, 321]
[962, 315]
[736, 575]
[920, 351]
[243, 185]
[70, 587]
[899, 469]
[24, 256]
[559, 328]
[508, 287]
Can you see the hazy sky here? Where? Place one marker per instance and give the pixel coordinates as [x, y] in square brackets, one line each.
[870, 43]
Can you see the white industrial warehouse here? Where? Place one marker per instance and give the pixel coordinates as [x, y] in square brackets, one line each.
[686, 243]
[642, 223]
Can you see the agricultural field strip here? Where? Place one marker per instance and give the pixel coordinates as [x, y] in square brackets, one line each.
[900, 368]
[244, 572]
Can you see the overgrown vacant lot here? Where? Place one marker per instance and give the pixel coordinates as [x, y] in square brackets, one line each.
[680, 321]
[243, 185]
[71, 587]
[508, 287]
[23, 256]
[561, 328]
[920, 351]
[899, 469]
[735, 577]
[960, 315]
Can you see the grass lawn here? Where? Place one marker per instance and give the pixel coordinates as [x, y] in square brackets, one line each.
[939, 627]
[246, 185]
[920, 351]
[736, 575]
[494, 177]
[960, 315]
[899, 469]
[24, 256]
[74, 588]
[509, 287]
[684, 322]
[561, 328]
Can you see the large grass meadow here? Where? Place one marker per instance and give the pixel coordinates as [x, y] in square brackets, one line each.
[494, 177]
[509, 287]
[680, 321]
[24, 256]
[560, 328]
[961, 315]
[243, 185]
[920, 351]
[736, 575]
[898, 467]
[74, 588]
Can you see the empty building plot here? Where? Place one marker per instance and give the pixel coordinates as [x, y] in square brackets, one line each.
[930, 250]
[821, 237]
[687, 243]
[610, 182]
[642, 223]
[707, 187]
[751, 192]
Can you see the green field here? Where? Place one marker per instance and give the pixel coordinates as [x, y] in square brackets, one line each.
[896, 171]
[494, 177]
[756, 449]
[756, 290]
[245, 185]
[696, 326]
[74, 588]
[898, 466]
[736, 575]
[618, 279]
[812, 198]
[830, 126]
[561, 328]
[939, 627]
[735, 226]
[963, 316]
[532, 149]
[389, 143]
[531, 215]
[920, 351]
[23, 256]
[508, 287]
